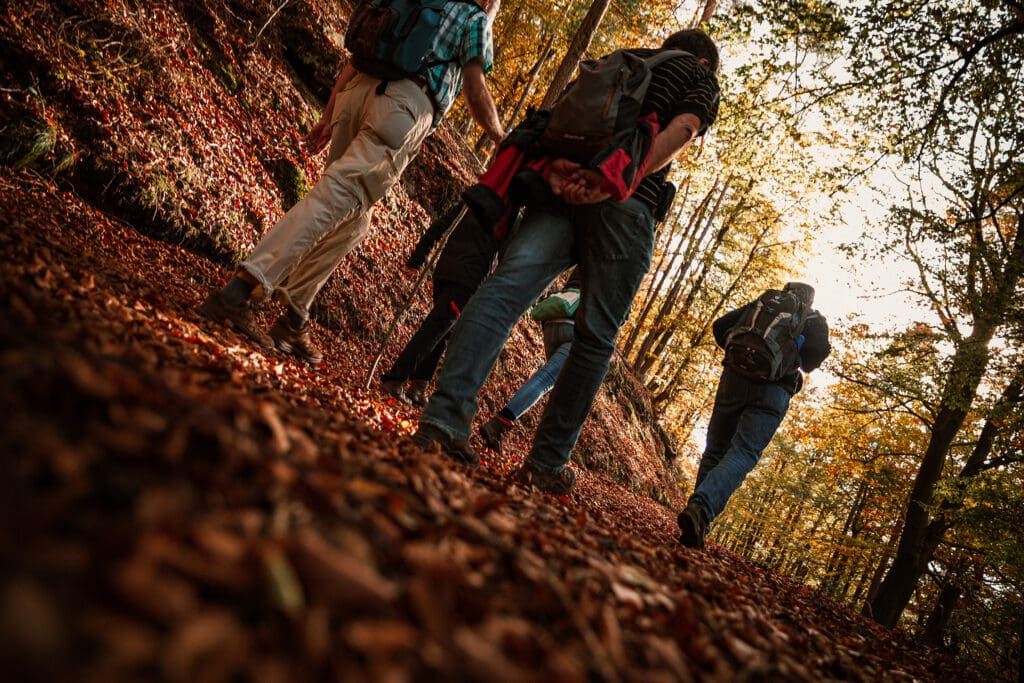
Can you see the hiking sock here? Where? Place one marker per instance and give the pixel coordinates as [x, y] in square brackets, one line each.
[236, 292]
[296, 320]
[506, 417]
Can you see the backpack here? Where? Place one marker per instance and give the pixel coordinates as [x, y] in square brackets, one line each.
[391, 39]
[763, 345]
[559, 305]
[603, 101]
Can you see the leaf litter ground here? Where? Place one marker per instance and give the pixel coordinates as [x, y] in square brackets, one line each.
[179, 506]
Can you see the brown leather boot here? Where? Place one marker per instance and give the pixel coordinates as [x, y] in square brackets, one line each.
[493, 431]
[296, 342]
[417, 392]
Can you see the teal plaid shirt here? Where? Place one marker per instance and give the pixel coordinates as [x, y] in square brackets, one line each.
[463, 35]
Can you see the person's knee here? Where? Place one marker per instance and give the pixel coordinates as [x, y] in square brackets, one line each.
[595, 339]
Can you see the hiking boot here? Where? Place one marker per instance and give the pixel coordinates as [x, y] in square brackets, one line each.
[692, 526]
[558, 483]
[417, 392]
[493, 431]
[394, 387]
[241, 318]
[427, 435]
[295, 342]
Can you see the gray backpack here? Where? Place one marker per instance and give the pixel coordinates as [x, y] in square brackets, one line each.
[603, 101]
[765, 344]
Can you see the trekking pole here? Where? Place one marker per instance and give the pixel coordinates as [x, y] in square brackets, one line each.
[403, 308]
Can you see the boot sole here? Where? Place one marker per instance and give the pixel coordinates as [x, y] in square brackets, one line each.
[215, 314]
[289, 349]
[689, 533]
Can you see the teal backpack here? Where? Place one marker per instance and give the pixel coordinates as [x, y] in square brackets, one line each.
[392, 39]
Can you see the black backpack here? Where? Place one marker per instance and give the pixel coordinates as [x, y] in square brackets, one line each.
[763, 345]
[391, 39]
[603, 101]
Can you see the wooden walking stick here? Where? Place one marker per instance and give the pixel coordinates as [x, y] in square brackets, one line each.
[403, 308]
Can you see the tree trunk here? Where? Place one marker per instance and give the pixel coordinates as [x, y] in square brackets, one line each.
[577, 48]
[1020, 649]
[531, 80]
[970, 361]
[709, 11]
[659, 285]
[938, 618]
[656, 343]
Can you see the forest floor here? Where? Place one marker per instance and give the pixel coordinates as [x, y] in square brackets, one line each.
[179, 506]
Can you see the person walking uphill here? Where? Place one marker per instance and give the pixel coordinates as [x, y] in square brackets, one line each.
[466, 259]
[611, 241]
[768, 344]
[374, 126]
[555, 314]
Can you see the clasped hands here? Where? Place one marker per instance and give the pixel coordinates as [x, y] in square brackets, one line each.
[575, 184]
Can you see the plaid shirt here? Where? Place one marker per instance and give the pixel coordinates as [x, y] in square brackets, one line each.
[463, 35]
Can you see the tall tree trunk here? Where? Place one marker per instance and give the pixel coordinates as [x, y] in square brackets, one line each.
[1020, 649]
[938, 619]
[531, 80]
[970, 361]
[910, 563]
[661, 272]
[656, 342]
[580, 42]
[709, 11]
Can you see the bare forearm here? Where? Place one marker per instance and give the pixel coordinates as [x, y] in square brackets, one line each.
[480, 103]
[674, 138]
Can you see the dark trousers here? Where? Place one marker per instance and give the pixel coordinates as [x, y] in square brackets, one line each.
[420, 357]
[743, 422]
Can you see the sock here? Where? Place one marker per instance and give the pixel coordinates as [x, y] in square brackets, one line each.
[506, 416]
[236, 292]
[295, 319]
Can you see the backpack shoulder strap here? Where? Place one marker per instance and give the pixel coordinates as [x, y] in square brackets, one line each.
[662, 56]
[746, 323]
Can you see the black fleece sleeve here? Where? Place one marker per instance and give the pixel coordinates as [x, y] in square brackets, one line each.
[431, 236]
[721, 327]
[816, 345]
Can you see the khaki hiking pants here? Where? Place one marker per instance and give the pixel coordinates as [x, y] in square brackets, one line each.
[373, 139]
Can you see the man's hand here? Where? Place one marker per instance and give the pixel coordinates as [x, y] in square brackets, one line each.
[575, 184]
[317, 137]
[320, 135]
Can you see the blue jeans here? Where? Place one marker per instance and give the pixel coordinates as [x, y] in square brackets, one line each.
[612, 243]
[539, 383]
[745, 418]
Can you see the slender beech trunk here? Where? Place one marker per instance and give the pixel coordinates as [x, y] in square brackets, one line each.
[655, 344]
[938, 619]
[666, 235]
[970, 361]
[531, 81]
[679, 269]
[580, 42]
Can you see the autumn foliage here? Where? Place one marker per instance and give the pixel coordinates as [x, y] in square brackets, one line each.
[179, 506]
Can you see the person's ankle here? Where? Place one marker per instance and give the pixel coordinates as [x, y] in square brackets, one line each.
[237, 291]
[295, 319]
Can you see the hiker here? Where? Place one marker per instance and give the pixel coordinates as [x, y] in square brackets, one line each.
[768, 344]
[464, 262]
[597, 220]
[555, 313]
[375, 126]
